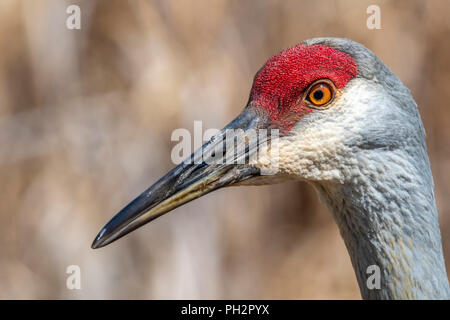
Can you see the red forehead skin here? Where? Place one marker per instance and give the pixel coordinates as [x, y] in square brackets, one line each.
[280, 83]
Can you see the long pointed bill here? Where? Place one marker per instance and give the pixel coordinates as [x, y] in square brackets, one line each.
[221, 162]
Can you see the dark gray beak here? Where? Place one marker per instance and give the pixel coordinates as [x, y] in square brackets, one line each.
[210, 168]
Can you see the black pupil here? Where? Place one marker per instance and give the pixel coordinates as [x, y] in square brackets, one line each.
[318, 94]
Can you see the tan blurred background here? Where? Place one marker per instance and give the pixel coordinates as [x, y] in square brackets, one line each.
[85, 123]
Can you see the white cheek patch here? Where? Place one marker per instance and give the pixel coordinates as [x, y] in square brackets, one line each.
[316, 148]
[311, 156]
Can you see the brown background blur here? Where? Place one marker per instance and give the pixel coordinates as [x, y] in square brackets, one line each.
[85, 123]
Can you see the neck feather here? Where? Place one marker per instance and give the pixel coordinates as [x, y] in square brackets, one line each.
[388, 218]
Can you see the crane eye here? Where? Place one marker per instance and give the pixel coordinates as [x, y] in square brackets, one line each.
[320, 94]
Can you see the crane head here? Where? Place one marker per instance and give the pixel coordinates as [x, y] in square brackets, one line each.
[320, 104]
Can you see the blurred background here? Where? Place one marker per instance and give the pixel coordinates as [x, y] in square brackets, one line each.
[86, 118]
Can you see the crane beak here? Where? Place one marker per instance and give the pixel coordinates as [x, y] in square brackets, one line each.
[191, 179]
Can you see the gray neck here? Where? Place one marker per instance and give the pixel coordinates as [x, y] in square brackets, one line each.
[388, 218]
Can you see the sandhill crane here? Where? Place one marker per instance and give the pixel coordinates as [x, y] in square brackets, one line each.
[348, 126]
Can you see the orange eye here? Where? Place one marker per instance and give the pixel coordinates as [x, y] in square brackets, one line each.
[320, 94]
